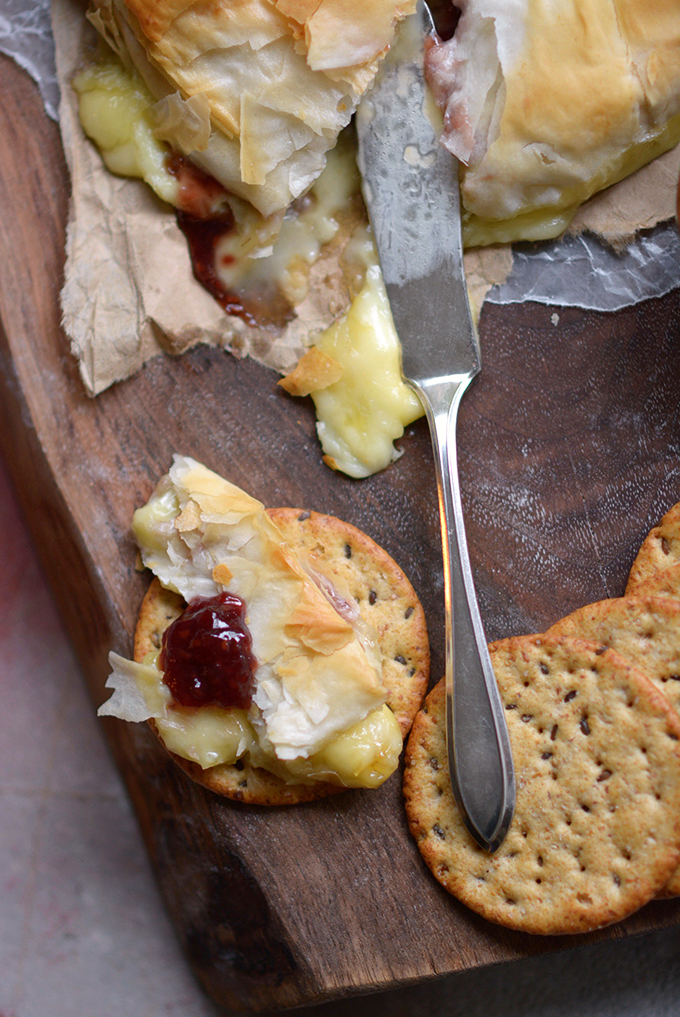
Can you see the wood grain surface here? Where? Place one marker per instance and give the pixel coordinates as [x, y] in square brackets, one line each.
[569, 453]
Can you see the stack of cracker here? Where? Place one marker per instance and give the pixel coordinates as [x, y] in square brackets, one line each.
[592, 708]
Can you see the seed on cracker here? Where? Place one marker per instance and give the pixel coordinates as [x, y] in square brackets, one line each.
[660, 549]
[596, 830]
[644, 630]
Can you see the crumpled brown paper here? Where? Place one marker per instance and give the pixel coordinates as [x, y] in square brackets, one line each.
[129, 293]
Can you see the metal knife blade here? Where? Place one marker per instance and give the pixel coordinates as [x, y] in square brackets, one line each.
[410, 184]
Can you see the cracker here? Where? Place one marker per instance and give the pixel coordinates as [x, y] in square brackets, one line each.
[596, 830]
[659, 550]
[664, 583]
[644, 630]
[385, 599]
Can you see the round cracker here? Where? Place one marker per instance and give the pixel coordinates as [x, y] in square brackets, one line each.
[385, 599]
[659, 550]
[596, 830]
[644, 630]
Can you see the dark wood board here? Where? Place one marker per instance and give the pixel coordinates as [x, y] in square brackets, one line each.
[569, 452]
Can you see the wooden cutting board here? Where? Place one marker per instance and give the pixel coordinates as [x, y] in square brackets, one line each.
[569, 450]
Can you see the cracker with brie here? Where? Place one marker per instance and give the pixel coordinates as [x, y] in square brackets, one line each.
[337, 662]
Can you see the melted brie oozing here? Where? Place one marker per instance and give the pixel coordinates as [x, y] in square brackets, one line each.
[318, 709]
[367, 409]
[114, 112]
[361, 414]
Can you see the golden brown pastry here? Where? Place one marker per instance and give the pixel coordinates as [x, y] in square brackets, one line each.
[255, 91]
[548, 101]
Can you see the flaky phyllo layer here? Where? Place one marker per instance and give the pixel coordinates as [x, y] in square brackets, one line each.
[318, 674]
[255, 91]
[548, 101]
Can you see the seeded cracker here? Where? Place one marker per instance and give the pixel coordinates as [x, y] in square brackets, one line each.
[660, 549]
[360, 570]
[644, 630]
[596, 831]
[665, 583]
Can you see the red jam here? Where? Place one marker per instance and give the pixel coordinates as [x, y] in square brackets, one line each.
[204, 217]
[206, 654]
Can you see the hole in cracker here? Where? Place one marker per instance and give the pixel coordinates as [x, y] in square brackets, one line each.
[584, 725]
[243, 783]
[526, 717]
[156, 639]
[434, 763]
[584, 898]
[400, 659]
[665, 545]
[348, 551]
[539, 860]
[605, 775]
[527, 684]
[543, 668]
[672, 736]
[408, 612]
[626, 854]
[437, 830]
[511, 706]
[411, 672]
[553, 733]
[617, 879]
[304, 515]
[509, 900]
[546, 755]
[372, 597]
[586, 808]
[570, 695]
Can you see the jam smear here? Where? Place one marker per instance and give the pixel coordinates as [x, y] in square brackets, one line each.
[204, 217]
[206, 654]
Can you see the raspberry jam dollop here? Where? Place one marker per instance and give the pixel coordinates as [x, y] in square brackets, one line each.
[207, 656]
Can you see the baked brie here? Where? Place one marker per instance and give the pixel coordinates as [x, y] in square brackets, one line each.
[254, 91]
[548, 101]
[317, 701]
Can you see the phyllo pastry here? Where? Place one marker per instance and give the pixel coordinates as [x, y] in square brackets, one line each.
[254, 91]
[255, 662]
[548, 101]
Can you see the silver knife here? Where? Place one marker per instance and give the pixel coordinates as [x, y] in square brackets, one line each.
[410, 184]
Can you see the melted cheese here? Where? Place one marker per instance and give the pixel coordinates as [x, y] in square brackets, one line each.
[114, 110]
[361, 414]
[318, 708]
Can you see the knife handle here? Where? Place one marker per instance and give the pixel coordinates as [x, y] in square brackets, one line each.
[480, 759]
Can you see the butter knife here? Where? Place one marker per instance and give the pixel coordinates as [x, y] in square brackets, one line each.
[410, 184]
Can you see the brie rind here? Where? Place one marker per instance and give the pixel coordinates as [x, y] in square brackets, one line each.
[548, 101]
[316, 674]
[281, 79]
